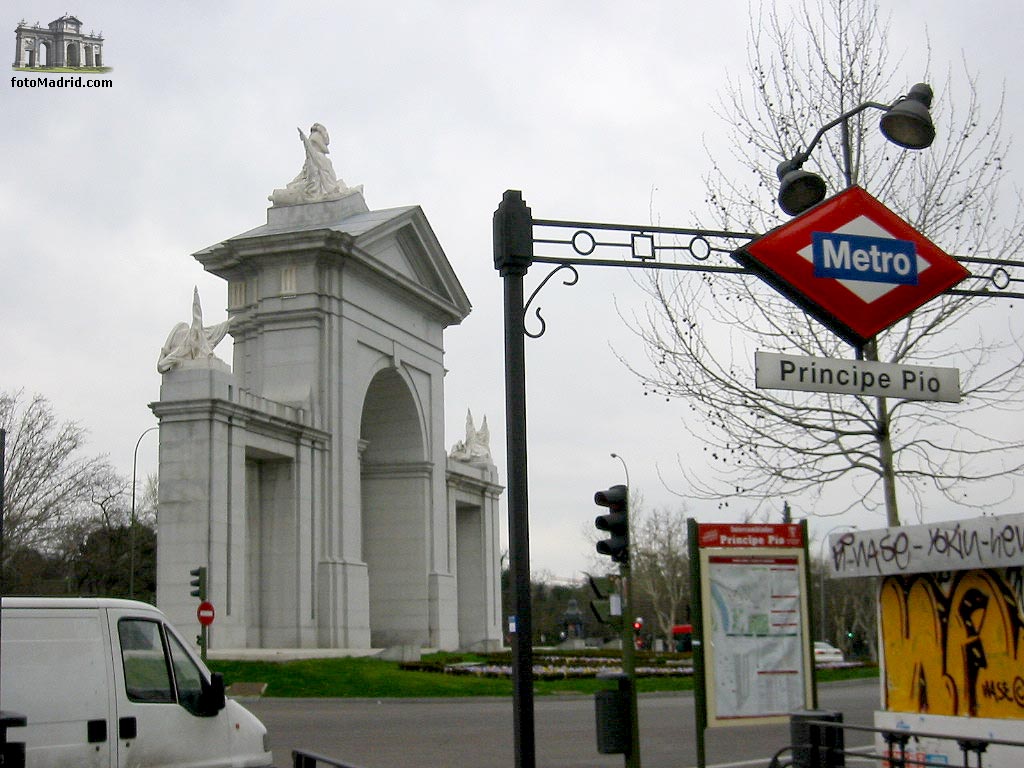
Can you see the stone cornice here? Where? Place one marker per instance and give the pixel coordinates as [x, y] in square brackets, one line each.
[254, 419]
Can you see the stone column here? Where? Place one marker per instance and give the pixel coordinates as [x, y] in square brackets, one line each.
[191, 519]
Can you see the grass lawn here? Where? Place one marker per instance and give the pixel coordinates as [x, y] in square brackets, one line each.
[373, 678]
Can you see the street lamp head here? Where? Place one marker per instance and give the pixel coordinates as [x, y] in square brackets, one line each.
[908, 122]
[798, 189]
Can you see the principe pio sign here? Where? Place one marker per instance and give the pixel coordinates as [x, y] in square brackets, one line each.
[856, 377]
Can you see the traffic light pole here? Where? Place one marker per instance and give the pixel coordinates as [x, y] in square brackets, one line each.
[198, 584]
[632, 757]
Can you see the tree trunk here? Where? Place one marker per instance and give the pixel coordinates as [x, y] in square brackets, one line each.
[885, 455]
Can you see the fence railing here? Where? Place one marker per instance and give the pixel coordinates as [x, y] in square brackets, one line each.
[817, 740]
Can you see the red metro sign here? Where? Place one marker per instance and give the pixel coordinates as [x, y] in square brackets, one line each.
[853, 264]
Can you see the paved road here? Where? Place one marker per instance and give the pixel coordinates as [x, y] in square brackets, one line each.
[477, 732]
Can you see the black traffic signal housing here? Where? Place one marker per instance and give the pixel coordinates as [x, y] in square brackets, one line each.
[616, 523]
[198, 582]
[606, 605]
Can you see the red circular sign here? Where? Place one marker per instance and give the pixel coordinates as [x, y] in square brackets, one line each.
[205, 613]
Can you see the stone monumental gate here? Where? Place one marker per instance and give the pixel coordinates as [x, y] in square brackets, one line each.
[311, 477]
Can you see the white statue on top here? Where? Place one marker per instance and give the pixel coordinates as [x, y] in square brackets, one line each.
[191, 342]
[316, 181]
[476, 448]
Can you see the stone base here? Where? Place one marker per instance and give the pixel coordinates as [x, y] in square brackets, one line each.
[302, 215]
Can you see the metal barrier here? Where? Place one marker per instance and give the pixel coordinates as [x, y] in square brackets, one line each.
[303, 759]
[818, 741]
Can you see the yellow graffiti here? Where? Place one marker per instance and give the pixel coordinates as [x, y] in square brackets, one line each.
[954, 643]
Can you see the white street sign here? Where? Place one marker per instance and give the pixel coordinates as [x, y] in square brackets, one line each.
[856, 377]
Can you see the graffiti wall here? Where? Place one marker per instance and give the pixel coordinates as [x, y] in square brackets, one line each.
[954, 642]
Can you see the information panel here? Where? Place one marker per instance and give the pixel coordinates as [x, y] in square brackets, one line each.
[757, 658]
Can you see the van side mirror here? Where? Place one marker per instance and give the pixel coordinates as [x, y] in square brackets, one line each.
[213, 698]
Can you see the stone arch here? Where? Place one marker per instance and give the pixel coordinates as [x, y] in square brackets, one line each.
[71, 57]
[395, 508]
[43, 55]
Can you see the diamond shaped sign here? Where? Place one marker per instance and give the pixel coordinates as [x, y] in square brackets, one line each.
[852, 264]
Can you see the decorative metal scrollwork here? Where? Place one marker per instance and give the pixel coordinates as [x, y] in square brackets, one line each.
[648, 246]
[572, 280]
[997, 283]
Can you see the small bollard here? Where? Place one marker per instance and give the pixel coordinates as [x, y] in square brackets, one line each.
[611, 708]
[817, 746]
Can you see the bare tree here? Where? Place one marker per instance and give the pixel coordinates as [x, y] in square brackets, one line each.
[804, 70]
[659, 566]
[46, 475]
[852, 614]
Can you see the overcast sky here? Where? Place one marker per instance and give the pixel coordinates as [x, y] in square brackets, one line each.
[596, 110]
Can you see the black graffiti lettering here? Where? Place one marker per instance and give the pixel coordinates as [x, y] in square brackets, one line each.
[939, 541]
[849, 550]
[898, 551]
[1003, 690]
[1006, 542]
[953, 543]
[997, 690]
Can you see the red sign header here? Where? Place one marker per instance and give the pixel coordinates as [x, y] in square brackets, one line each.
[749, 535]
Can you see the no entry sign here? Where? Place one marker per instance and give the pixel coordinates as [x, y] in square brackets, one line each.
[205, 613]
[853, 264]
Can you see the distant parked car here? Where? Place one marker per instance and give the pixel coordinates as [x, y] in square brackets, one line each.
[825, 653]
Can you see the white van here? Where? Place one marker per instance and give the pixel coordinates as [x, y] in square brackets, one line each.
[110, 683]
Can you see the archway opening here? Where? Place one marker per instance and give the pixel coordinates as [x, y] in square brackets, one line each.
[395, 482]
[271, 551]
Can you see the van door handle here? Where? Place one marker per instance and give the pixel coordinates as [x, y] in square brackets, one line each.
[96, 731]
[127, 728]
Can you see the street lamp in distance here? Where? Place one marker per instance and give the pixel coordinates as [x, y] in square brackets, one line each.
[131, 530]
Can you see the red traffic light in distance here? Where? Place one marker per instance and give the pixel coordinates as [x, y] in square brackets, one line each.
[616, 522]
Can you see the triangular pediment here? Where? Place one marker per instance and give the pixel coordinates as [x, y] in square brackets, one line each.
[397, 244]
[407, 247]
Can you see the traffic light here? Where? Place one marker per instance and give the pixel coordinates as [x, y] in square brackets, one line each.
[198, 582]
[616, 523]
[607, 606]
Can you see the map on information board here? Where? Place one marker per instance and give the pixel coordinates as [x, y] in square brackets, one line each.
[756, 635]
